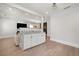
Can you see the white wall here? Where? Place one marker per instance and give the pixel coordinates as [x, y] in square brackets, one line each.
[7, 28]
[7, 21]
[65, 27]
[48, 26]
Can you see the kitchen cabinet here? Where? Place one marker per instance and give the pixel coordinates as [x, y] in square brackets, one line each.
[29, 40]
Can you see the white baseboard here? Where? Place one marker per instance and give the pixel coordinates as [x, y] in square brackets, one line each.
[2, 37]
[66, 43]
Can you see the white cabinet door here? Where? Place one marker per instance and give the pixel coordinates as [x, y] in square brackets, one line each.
[27, 41]
[31, 40]
[37, 39]
[21, 41]
[34, 39]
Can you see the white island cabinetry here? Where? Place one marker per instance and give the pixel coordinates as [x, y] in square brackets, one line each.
[28, 40]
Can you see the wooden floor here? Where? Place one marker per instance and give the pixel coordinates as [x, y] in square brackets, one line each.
[49, 48]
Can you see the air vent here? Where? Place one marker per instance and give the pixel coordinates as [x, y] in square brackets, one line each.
[67, 7]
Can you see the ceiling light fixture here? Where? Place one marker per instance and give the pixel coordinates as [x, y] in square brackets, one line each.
[46, 12]
[10, 8]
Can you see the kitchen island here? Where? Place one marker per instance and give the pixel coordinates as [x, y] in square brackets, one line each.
[28, 39]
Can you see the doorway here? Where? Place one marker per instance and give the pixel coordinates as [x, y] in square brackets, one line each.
[45, 28]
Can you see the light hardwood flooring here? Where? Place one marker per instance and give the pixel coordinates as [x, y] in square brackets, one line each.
[49, 48]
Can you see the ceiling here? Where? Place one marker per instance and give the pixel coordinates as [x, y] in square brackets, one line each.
[9, 12]
[46, 8]
[34, 10]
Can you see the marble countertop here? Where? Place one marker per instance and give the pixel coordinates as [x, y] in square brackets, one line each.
[30, 32]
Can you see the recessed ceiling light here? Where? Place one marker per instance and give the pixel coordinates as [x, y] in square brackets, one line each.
[46, 12]
[10, 8]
